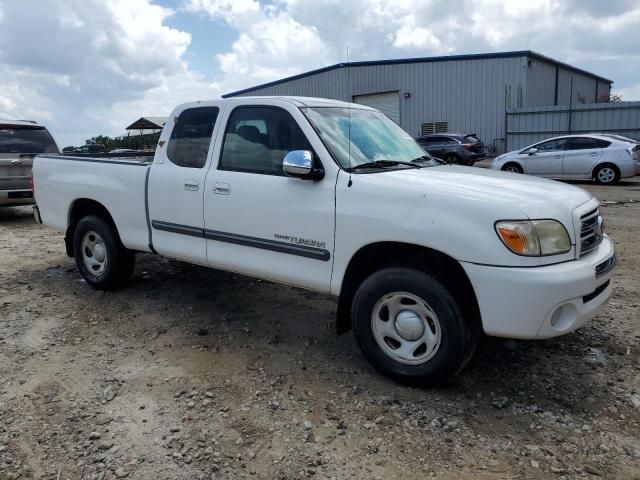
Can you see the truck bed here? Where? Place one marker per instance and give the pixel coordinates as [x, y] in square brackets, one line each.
[119, 182]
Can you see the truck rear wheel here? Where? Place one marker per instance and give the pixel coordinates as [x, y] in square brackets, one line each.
[410, 327]
[102, 260]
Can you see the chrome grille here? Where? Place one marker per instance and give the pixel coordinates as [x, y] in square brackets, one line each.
[590, 231]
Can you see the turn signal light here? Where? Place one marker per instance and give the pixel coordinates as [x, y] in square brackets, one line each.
[519, 237]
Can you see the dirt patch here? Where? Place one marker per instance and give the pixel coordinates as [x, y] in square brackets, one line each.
[192, 373]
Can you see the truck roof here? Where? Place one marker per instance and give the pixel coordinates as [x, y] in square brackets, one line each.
[18, 123]
[298, 101]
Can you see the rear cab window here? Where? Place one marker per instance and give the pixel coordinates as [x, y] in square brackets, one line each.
[25, 139]
[191, 136]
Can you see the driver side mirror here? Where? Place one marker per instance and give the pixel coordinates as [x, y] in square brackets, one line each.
[300, 164]
[532, 151]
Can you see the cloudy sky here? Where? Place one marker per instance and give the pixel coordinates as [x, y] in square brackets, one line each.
[86, 67]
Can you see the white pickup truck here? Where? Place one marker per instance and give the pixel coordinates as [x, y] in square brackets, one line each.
[336, 198]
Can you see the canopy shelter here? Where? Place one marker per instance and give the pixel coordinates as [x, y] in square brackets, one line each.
[147, 123]
[146, 132]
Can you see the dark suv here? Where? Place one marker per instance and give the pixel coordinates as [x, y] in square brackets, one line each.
[460, 148]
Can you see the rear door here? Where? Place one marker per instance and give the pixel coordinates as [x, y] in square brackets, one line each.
[176, 183]
[547, 160]
[581, 155]
[19, 144]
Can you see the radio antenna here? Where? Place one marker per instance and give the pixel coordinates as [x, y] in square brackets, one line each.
[349, 113]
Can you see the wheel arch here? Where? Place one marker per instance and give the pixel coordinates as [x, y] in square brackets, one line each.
[80, 208]
[513, 162]
[375, 256]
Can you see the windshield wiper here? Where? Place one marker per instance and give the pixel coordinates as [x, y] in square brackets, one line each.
[428, 158]
[384, 164]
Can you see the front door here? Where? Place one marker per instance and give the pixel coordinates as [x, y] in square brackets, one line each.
[257, 220]
[176, 185]
[547, 160]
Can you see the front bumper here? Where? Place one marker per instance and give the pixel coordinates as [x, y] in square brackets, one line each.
[543, 302]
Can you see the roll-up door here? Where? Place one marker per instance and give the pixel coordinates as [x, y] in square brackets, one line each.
[388, 103]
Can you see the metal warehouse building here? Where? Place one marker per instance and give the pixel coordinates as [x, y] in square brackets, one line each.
[459, 93]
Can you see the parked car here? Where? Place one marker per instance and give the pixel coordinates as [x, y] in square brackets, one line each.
[335, 197]
[20, 142]
[459, 148]
[604, 158]
[90, 148]
[123, 150]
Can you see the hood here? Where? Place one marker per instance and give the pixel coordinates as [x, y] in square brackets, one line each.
[535, 197]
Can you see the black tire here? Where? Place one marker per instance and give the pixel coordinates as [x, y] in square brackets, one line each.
[452, 158]
[458, 339]
[512, 167]
[606, 174]
[119, 262]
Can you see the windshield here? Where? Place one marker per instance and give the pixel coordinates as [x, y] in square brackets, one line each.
[374, 137]
[18, 139]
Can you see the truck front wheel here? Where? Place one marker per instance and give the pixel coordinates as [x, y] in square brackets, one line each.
[102, 260]
[410, 327]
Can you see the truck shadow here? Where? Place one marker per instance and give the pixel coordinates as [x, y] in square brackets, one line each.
[16, 215]
[290, 333]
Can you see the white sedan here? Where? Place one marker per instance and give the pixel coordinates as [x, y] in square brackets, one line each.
[604, 158]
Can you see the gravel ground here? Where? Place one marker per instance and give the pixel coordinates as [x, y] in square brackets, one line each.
[193, 373]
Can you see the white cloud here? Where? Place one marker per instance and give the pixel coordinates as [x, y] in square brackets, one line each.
[416, 37]
[91, 66]
[227, 10]
[274, 46]
[587, 33]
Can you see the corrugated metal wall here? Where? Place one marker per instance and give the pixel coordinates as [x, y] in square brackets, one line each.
[471, 95]
[541, 80]
[531, 125]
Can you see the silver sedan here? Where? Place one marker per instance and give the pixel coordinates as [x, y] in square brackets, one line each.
[604, 158]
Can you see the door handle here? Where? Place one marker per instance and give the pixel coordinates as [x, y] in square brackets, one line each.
[16, 162]
[557, 156]
[222, 188]
[593, 154]
[191, 185]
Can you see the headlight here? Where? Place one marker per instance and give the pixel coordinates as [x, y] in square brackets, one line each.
[534, 238]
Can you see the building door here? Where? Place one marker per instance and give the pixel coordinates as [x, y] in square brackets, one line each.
[388, 103]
